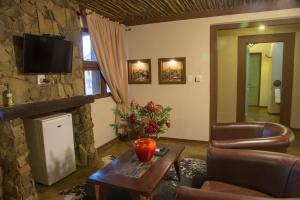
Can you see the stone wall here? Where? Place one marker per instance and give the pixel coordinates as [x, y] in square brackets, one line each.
[18, 182]
[84, 136]
[38, 17]
[1, 182]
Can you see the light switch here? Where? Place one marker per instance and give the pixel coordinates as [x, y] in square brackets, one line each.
[198, 78]
[190, 78]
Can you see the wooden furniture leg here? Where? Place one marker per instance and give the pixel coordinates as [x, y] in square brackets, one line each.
[97, 191]
[142, 197]
[134, 196]
[177, 169]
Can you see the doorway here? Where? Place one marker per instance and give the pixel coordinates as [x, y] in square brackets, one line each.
[264, 69]
[249, 82]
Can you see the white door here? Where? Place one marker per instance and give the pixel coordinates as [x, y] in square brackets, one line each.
[253, 83]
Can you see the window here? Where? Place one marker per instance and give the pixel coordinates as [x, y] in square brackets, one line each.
[94, 82]
[88, 52]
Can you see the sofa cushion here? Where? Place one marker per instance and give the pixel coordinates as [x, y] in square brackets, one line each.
[229, 188]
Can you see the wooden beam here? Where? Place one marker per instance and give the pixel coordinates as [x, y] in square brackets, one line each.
[263, 6]
[40, 108]
[136, 12]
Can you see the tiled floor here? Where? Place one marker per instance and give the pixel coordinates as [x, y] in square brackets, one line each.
[261, 114]
[193, 149]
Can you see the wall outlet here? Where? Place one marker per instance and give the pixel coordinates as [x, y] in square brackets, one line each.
[41, 79]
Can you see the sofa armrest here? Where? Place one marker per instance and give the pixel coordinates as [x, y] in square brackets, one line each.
[278, 144]
[228, 131]
[267, 172]
[186, 193]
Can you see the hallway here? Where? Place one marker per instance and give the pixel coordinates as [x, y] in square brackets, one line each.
[261, 114]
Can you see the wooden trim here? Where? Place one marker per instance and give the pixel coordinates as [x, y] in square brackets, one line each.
[99, 96]
[107, 144]
[260, 64]
[103, 85]
[183, 140]
[213, 105]
[84, 29]
[258, 106]
[262, 106]
[287, 75]
[214, 56]
[129, 62]
[90, 65]
[178, 59]
[273, 113]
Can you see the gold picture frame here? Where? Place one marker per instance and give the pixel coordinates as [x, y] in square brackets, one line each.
[172, 70]
[139, 71]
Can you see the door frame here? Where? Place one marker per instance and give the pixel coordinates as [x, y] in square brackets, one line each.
[259, 81]
[287, 72]
[214, 28]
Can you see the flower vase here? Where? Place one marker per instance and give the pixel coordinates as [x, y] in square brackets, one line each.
[144, 149]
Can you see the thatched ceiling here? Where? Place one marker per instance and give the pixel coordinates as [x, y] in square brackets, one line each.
[132, 12]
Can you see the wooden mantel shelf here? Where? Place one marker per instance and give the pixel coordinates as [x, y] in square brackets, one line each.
[40, 108]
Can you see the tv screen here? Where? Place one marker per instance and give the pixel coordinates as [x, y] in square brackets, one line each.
[45, 54]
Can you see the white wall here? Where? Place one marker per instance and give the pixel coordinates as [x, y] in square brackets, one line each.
[103, 116]
[189, 38]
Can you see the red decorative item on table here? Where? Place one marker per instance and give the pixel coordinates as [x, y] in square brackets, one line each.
[144, 149]
[147, 121]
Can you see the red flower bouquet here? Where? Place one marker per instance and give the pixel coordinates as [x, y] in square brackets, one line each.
[149, 120]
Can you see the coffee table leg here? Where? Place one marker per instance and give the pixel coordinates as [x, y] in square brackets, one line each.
[97, 191]
[142, 197]
[177, 169]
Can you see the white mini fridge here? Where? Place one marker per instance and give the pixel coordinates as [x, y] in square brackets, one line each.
[51, 147]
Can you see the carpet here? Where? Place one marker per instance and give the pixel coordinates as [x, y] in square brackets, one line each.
[193, 174]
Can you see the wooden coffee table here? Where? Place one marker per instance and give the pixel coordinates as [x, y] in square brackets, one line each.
[142, 187]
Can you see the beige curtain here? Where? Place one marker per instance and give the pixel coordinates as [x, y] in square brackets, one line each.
[109, 45]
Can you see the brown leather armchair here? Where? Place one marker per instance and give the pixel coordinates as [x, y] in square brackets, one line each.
[254, 135]
[247, 174]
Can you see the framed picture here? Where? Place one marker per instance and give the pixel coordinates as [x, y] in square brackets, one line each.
[139, 71]
[171, 70]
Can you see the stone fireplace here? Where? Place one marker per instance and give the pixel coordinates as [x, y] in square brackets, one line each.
[15, 172]
[55, 17]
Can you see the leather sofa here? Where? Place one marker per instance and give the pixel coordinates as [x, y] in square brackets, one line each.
[247, 174]
[254, 135]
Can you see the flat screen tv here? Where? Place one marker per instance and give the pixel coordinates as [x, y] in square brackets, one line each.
[46, 54]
